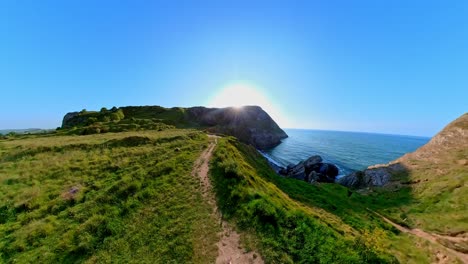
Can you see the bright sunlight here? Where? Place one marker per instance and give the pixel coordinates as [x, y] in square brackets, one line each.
[239, 94]
[243, 93]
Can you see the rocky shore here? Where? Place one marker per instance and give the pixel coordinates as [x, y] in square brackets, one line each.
[310, 170]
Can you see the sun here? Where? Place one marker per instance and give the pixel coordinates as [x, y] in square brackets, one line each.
[242, 93]
[239, 94]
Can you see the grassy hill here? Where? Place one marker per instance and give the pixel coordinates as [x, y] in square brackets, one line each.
[115, 197]
[432, 192]
[250, 124]
[130, 197]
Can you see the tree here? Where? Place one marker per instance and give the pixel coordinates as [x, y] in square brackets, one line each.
[103, 110]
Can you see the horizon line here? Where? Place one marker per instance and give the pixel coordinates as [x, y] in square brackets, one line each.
[353, 131]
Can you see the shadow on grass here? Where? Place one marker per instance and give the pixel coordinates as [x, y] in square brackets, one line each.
[347, 203]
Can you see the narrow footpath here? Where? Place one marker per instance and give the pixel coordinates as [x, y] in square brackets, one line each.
[433, 238]
[229, 249]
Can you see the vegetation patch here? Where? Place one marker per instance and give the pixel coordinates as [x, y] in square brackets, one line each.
[117, 197]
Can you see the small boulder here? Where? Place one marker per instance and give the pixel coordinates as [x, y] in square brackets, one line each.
[297, 172]
[312, 177]
[329, 169]
[312, 160]
[312, 170]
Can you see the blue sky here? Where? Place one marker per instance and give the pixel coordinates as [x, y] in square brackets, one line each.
[377, 66]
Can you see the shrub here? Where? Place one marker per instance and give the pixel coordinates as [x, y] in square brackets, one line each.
[114, 117]
[92, 120]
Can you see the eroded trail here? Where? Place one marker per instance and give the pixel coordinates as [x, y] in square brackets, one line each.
[230, 250]
[433, 238]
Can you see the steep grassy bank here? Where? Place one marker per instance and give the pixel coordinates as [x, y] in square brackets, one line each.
[430, 192]
[291, 221]
[286, 230]
[116, 197]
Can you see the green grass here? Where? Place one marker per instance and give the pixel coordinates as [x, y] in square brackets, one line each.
[290, 221]
[287, 230]
[116, 197]
[130, 197]
[436, 202]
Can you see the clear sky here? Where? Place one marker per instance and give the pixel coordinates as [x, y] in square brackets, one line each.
[377, 66]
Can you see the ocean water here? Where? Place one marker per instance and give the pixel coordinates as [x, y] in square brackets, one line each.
[350, 151]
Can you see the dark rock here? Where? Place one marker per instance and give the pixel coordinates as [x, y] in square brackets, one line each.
[250, 124]
[312, 160]
[312, 177]
[354, 179]
[282, 171]
[67, 119]
[312, 170]
[330, 170]
[378, 175]
[296, 171]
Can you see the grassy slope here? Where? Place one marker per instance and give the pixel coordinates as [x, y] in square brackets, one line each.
[292, 221]
[136, 200]
[436, 203]
[435, 195]
[287, 230]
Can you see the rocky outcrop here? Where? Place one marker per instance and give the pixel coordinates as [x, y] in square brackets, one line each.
[453, 139]
[311, 170]
[378, 175]
[69, 119]
[250, 124]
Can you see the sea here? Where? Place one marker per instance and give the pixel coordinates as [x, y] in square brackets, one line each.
[349, 151]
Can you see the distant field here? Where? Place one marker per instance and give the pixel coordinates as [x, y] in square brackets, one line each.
[24, 131]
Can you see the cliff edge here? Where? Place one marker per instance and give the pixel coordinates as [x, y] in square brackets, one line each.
[250, 124]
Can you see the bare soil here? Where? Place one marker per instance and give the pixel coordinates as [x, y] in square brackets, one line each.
[230, 250]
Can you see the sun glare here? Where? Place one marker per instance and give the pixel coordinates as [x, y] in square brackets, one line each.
[240, 94]
[237, 95]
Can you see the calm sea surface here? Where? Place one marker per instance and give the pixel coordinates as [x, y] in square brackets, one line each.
[350, 151]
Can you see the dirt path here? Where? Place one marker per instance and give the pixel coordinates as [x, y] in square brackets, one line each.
[229, 249]
[433, 238]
